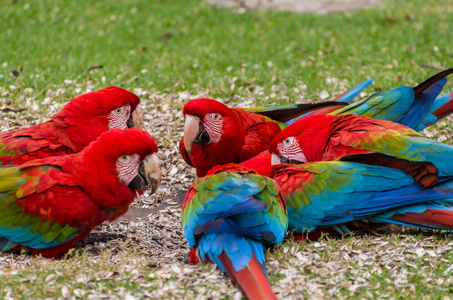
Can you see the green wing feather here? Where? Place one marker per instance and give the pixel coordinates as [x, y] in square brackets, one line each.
[389, 105]
[18, 226]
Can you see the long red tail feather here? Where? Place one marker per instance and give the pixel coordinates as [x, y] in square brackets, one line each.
[445, 109]
[436, 218]
[252, 279]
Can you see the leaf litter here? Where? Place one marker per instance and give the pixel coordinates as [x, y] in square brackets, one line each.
[143, 256]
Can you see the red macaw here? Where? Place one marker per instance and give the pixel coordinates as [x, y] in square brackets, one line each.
[80, 122]
[228, 217]
[325, 137]
[215, 134]
[47, 205]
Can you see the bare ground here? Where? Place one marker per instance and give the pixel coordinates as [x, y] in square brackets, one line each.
[316, 6]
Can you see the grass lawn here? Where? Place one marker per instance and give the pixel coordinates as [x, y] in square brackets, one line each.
[192, 46]
[58, 49]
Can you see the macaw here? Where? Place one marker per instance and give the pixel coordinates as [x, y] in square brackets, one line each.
[413, 107]
[49, 204]
[215, 134]
[338, 197]
[214, 142]
[80, 122]
[326, 137]
[229, 217]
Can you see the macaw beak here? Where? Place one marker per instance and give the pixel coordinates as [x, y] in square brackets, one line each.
[275, 159]
[280, 159]
[130, 122]
[194, 133]
[136, 118]
[149, 175]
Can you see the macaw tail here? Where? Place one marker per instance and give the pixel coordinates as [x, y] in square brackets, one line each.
[418, 116]
[442, 106]
[349, 95]
[429, 216]
[252, 279]
[432, 80]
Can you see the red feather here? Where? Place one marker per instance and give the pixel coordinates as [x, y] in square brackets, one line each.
[79, 123]
[430, 217]
[82, 190]
[445, 109]
[252, 279]
[243, 135]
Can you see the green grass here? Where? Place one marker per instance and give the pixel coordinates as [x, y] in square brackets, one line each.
[190, 45]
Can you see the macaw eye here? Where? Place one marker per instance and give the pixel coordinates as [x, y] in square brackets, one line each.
[215, 117]
[118, 111]
[119, 116]
[288, 141]
[127, 167]
[125, 158]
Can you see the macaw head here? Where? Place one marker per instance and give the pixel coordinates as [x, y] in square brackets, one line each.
[287, 146]
[118, 164]
[212, 131]
[85, 117]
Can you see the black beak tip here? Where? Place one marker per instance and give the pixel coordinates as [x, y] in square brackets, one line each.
[140, 182]
[130, 122]
[285, 160]
[202, 137]
[153, 185]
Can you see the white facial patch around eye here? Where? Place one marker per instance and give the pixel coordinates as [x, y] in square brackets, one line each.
[119, 116]
[290, 149]
[127, 167]
[213, 123]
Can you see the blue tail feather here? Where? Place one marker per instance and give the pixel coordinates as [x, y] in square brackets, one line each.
[422, 104]
[352, 93]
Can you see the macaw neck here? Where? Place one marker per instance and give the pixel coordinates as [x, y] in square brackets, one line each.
[313, 135]
[100, 182]
[205, 157]
[226, 150]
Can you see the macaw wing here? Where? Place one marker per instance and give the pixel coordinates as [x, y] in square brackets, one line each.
[326, 194]
[367, 135]
[30, 143]
[259, 133]
[389, 105]
[39, 210]
[424, 173]
[232, 199]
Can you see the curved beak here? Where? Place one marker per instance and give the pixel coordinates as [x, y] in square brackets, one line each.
[280, 159]
[130, 122]
[136, 118]
[275, 159]
[149, 175]
[194, 133]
